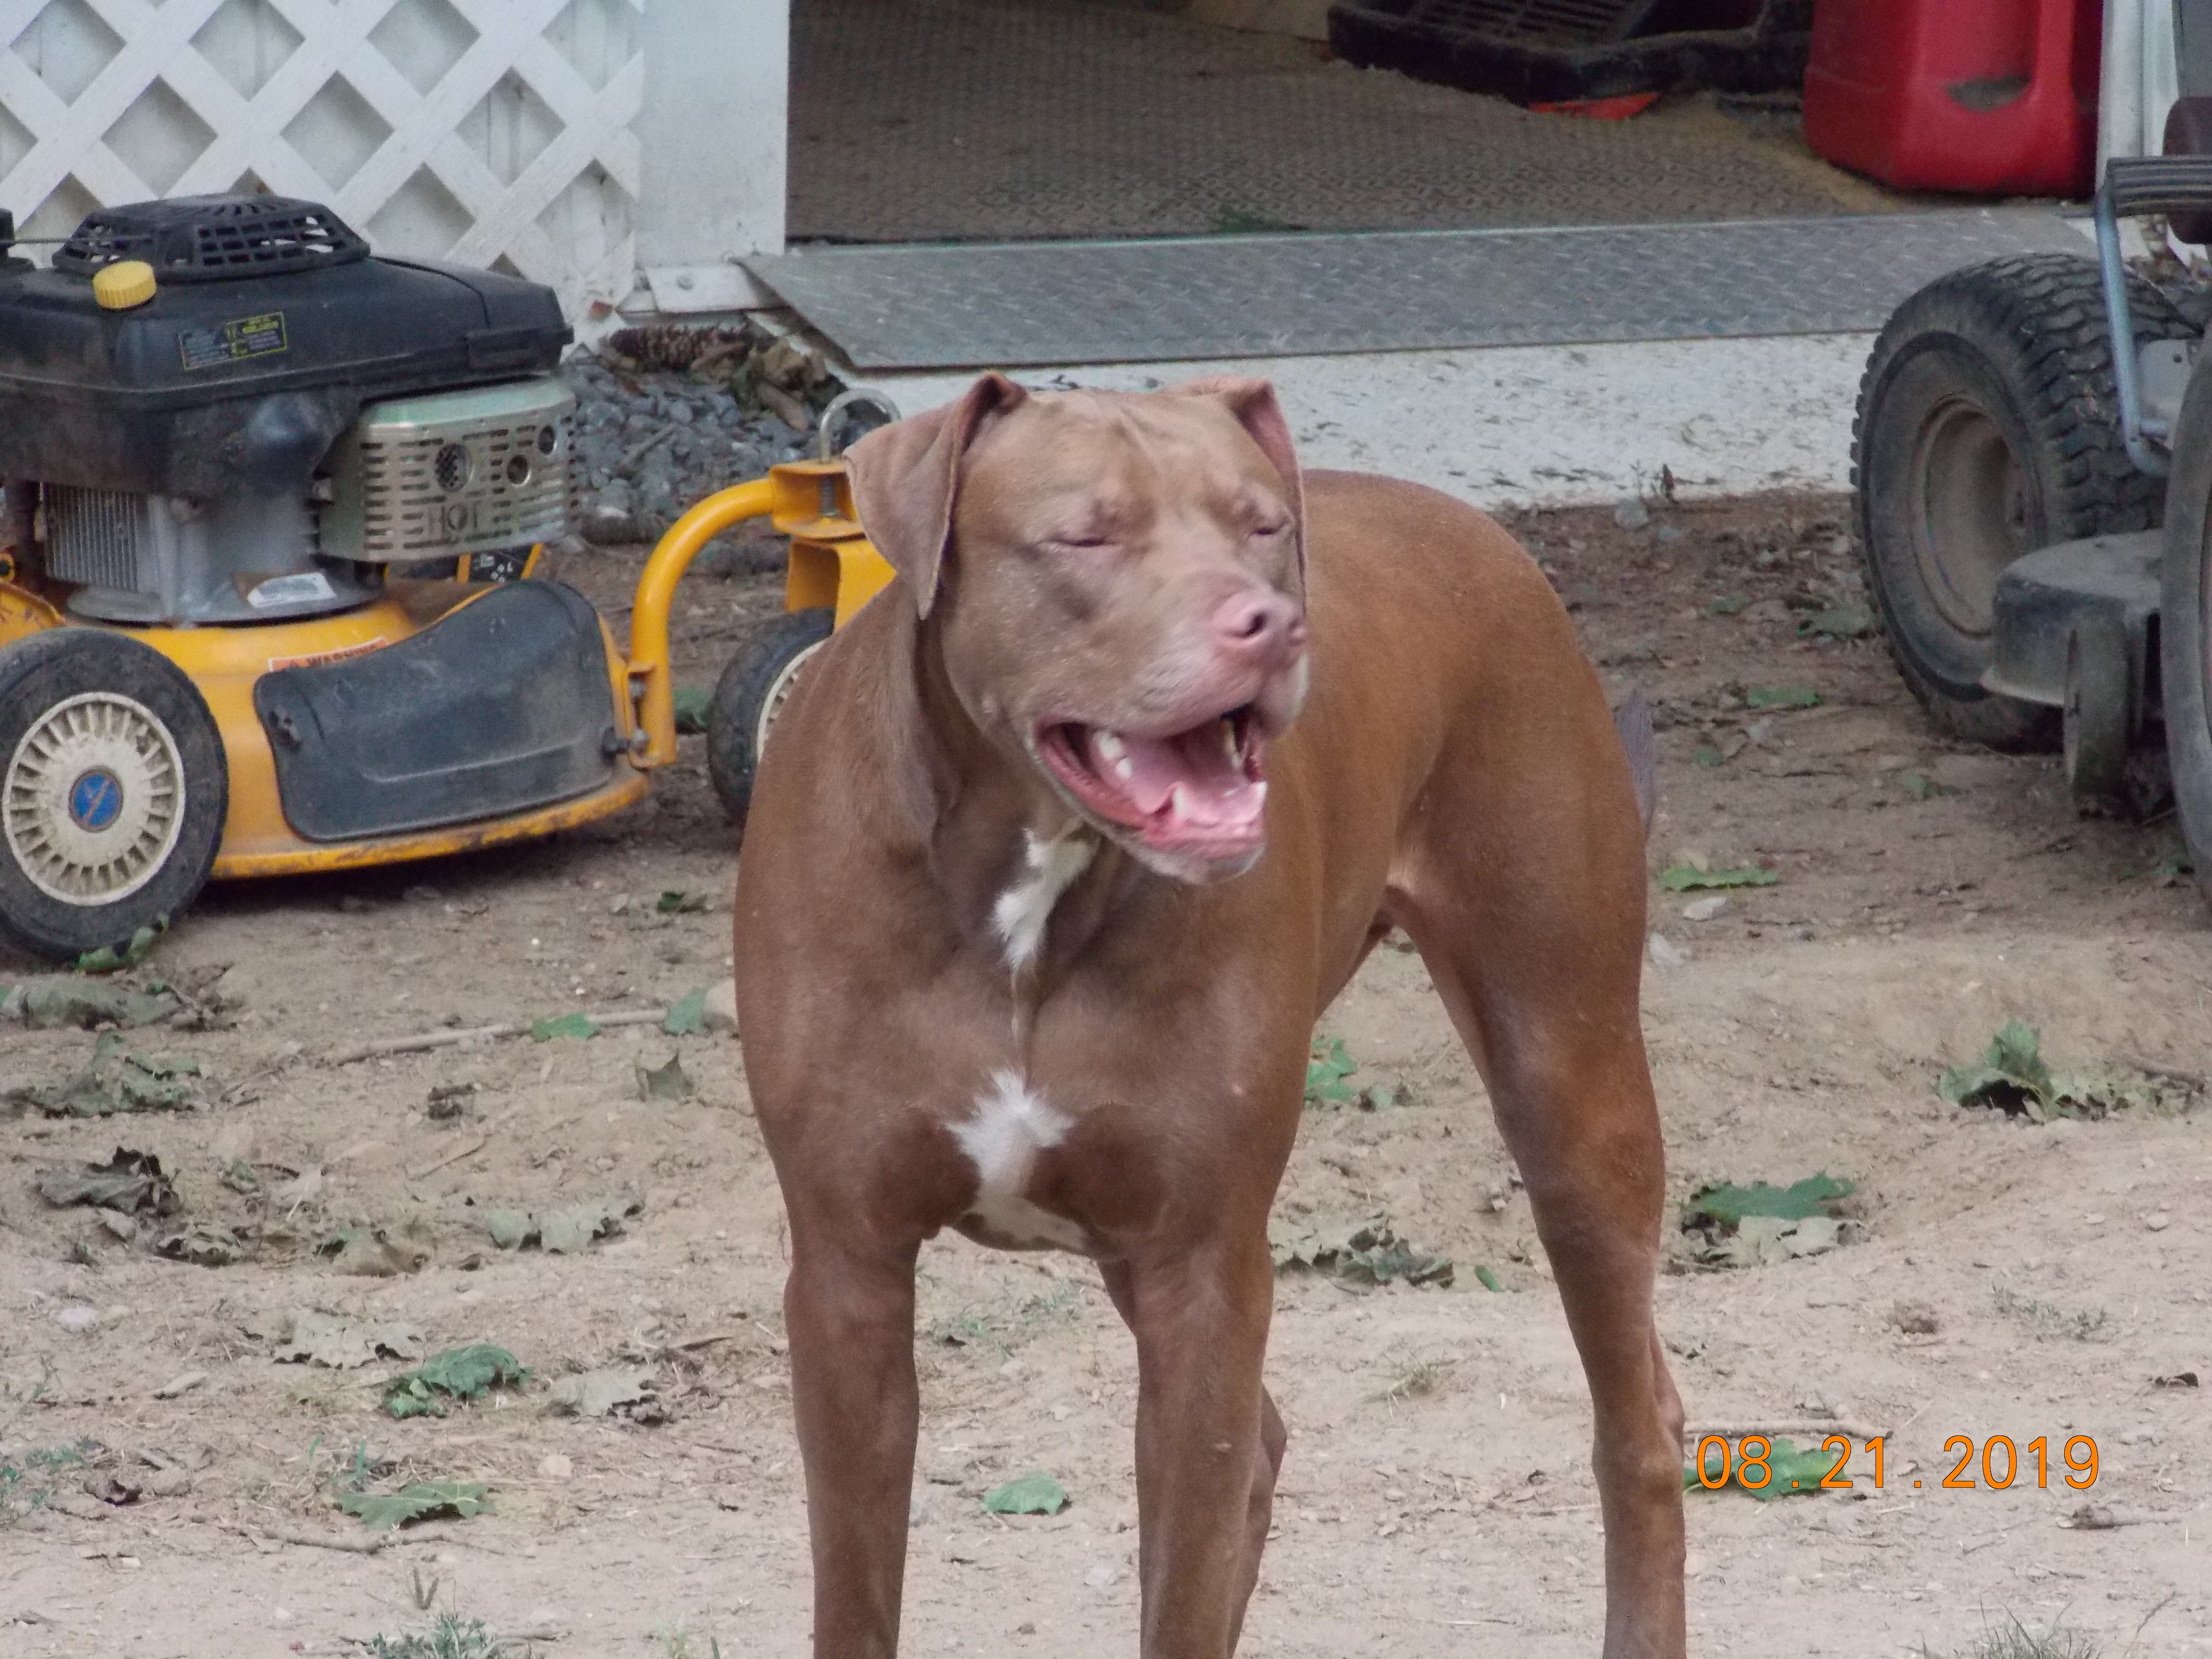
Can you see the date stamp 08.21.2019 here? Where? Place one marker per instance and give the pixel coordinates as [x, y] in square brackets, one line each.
[1991, 1464]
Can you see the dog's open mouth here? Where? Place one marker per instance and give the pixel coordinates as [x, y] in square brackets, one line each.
[1195, 791]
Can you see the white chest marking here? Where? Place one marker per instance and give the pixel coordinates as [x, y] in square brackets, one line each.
[1049, 869]
[1011, 1127]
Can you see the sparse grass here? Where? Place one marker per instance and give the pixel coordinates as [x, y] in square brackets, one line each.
[2013, 1640]
[2048, 1319]
[1000, 1328]
[25, 1487]
[674, 1638]
[449, 1636]
[1417, 1380]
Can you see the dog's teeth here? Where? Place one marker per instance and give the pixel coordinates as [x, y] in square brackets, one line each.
[1179, 802]
[1125, 769]
[1111, 747]
[1229, 740]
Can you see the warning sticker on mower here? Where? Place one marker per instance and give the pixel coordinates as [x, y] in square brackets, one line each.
[317, 659]
[235, 342]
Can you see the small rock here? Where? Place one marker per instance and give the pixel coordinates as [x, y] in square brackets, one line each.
[167, 1483]
[1665, 953]
[1102, 1575]
[720, 1013]
[2158, 1221]
[555, 1466]
[177, 1385]
[79, 1319]
[1706, 909]
[729, 1497]
[1630, 514]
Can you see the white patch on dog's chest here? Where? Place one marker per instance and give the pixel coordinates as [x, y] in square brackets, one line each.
[1049, 869]
[1011, 1127]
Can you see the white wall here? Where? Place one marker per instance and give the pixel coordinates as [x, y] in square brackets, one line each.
[513, 133]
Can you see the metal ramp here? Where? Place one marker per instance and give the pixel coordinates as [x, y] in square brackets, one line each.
[1045, 303]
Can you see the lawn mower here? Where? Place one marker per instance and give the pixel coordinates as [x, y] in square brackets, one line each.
[268, 596]
[2034, 501]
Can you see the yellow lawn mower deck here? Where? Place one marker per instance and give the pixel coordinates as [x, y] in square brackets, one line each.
[268, 599]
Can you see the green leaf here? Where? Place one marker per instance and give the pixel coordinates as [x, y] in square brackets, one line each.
[1034, 1493]
[203, 1243]
[1327, 1067]
[1727, 1204]
[2011, 1074]
[595, 1394]
[466, 1373]
[425, 1500]
[1366, 1252]
[687, 1017]
[1848, 621]
[1782, 696]
[1789, 1471]
[1682, 878]
[1920, 786]
[691, 705]
[510, 1229]
[674, 902]
[567, 1231]
[1728, 604]
[1488, 1280]
[108, 960]
[563, 1025]
[332, 1339]
[1709, 756]
[1760, 1240]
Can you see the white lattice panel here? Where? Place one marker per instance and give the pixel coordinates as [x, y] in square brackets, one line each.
[494, 132]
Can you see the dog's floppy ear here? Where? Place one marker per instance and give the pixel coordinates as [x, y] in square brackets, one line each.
[1252, 402]
[906, 475]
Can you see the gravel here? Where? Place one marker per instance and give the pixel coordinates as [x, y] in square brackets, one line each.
[652, 442]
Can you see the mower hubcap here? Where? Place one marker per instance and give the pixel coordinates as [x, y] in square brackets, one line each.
[779, 693]
[1971, 513]
[94, 798]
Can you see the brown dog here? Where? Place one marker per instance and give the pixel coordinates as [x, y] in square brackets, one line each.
[1047, 877]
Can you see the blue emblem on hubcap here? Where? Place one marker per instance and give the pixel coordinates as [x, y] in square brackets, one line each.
[96, 800]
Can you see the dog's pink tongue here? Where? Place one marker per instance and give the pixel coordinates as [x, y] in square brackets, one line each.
[1192, 779]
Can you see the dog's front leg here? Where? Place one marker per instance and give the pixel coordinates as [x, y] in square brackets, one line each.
[848, 1311]
[1208, 1439]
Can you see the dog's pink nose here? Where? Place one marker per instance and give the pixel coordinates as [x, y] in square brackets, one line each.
[1260, 625]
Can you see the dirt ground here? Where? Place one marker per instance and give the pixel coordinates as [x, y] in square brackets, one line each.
[1437, 1497]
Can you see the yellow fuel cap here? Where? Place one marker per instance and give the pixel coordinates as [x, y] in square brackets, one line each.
[125, 283]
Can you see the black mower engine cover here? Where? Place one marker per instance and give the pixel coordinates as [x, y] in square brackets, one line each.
[270, 326]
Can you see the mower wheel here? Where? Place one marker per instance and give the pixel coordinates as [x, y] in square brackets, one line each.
[1988, 427]
[2098, 717]
[113, 786]
[2183, 628]
[748, 697]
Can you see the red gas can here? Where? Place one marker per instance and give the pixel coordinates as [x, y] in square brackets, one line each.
[1998, 97]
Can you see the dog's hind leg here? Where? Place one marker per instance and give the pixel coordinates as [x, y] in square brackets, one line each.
[1521, 881]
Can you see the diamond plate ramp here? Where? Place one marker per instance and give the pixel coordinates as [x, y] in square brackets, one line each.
[1039, 303]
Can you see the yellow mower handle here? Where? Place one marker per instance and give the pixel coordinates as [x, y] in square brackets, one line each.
[650, 685]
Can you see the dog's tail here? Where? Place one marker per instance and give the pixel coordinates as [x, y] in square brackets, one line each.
[1640, 738]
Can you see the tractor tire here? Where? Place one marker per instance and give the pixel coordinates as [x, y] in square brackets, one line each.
[2185, 629]
[113, 788]
[1988, 427]
[750, 694]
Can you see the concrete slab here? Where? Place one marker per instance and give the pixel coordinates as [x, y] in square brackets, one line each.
[1543, 425]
